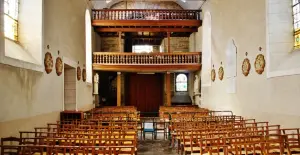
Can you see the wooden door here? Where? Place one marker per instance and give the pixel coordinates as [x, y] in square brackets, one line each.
[145, 91]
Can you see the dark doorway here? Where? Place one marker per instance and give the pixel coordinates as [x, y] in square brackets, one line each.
[144, 91]
[107, 88]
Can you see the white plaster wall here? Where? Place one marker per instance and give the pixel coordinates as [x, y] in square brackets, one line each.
[31, 29]
[276, 99]
[195, 41]
[25, 93]
[26, 52]
[282, 58]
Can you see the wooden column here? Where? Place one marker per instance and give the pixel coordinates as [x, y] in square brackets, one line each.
[119, 89]
[168, 88]
[169, 42]
[120, 41]
[168, 75]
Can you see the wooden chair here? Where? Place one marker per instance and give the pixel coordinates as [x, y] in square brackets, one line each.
[149, 128]
[6, 149]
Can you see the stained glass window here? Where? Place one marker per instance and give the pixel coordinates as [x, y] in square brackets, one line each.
[181, 82]
[11, 11]
[296, 15]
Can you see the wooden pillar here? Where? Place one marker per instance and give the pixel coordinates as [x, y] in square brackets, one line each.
[169, 42]
[119, 89]
[168, 88]
[168, 75]
[120, 41]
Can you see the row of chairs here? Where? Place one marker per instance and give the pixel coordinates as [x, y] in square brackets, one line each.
[230, 134]
[90, 136]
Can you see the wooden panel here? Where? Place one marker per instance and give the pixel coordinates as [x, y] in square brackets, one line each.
[71, 115]
[145, 91]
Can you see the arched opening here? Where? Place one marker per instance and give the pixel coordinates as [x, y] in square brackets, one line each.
[88, 46]
[181, 83]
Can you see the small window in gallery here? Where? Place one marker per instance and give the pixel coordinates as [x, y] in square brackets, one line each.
[181, 83]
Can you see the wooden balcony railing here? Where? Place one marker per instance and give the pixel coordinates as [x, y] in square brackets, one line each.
[117, 61]
[139, 14]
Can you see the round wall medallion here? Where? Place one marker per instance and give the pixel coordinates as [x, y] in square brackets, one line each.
[48, 62]
[59, 66]
[221, 73]
[213, 75]
[78, 73]
[83, 74]
[246, 67]
[260, 63]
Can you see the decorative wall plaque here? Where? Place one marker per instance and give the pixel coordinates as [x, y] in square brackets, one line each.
[221, 73]
[246, 67]
[213, 75]
[48, 62]
[59, 66]
[260, 63]
[78, 73]
[83, 74]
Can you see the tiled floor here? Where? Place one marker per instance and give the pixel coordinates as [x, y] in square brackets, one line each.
[155, 147]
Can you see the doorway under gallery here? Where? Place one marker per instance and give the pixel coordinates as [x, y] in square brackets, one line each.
[69, 88]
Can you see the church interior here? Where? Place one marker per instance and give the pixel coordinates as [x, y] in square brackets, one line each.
[165, 77]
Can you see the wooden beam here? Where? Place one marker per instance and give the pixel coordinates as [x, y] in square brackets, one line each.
[146, 37]
[168, 88]
[147, 29]
[155, 35]
[169, 42]
[119, 96]
[147, 68]
[178, 23]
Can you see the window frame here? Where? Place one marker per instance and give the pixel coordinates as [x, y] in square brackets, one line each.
[88, 47]
[142, 46]
[187, 81]
[16, 21]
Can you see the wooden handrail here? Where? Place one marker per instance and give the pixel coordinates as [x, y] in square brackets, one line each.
[143, 10]
[120, 58]
[144, 14]
[123, 53]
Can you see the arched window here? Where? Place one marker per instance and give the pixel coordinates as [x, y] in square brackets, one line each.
[296, 15]
[88, 46]
[181, 83]
[11, 13]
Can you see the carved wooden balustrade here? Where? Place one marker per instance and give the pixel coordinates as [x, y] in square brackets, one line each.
[142, 14]
[117, 61]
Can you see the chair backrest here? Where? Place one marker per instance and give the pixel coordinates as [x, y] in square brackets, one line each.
[6, 144]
